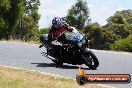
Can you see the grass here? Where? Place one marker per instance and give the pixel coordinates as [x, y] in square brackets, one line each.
[18, 78]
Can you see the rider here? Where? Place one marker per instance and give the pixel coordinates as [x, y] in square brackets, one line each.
[56, 30]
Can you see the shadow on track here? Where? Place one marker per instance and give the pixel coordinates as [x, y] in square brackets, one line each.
[57, 66]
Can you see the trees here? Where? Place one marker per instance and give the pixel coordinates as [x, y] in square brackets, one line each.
[124, 44]
[4, 10]
[10, 12]
[78, 15]
[30, 30]
[120, 23]
[120, 28]
[31, 9]
[19, 18]
[127, 14]
[28, 23]
[108, 38]
[15, 13]
[93, 32]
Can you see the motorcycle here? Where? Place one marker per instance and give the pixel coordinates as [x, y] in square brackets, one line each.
[72, 49]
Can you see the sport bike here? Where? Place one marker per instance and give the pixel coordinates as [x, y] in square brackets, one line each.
[71, 48]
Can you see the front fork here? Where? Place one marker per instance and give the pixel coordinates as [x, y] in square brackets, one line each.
[85, 50]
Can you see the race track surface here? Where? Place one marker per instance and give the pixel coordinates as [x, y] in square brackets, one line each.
[28, 56]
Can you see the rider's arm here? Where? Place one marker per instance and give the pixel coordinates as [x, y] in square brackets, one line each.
[70, 28]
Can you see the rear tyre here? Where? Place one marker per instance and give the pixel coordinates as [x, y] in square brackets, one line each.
[91, 60]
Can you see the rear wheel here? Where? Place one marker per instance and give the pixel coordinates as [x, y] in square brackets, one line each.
[91, 60]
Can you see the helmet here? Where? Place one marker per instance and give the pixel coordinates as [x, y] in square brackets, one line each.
[59, 22]
[56, 21]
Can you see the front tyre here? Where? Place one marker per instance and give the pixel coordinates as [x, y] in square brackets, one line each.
[90, 60]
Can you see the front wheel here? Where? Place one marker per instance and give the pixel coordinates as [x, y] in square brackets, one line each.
[90, 60]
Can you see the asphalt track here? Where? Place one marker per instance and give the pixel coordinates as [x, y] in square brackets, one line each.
[28, 56]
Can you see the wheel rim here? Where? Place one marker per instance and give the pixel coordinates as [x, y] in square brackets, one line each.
[89, 61]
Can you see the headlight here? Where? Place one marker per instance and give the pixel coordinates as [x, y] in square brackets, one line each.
[81, 42]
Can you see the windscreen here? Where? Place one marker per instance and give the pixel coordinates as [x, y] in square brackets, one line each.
[74, 35]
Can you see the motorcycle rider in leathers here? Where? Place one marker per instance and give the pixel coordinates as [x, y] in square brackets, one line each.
[57, 29]
[56, 32]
